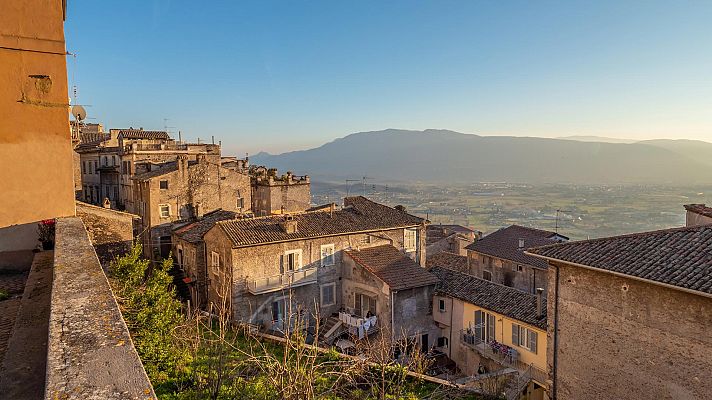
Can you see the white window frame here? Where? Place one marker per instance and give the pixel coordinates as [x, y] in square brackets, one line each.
[442, 307]
[332, 285]
[297, 258]
[327, 258]
[160, 210]
[410, 239]
[214, 259]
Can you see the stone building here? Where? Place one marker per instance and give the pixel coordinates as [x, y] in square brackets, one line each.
[450, 238]
[272, 194]
[257, 264]
[110, 231]
[500, 257]
[486, 324]
[184, 190]
[383, 282]
[630, 316]
[189, 252]
[697, 214]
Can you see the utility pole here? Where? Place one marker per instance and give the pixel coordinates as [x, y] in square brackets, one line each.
[348, 185]
[364, 184]
[556, 227]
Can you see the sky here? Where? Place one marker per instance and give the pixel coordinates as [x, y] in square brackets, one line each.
[288, 75]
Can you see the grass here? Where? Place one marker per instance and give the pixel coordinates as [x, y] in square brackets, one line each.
[4, 295]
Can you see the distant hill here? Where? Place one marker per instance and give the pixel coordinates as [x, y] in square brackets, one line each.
[601, 139]
[450, 157]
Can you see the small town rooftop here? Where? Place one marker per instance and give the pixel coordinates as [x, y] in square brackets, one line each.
[141, 134]
[358, 215]
[679, 257]
[391, 266]
[448, 260]
[194, 231]
[700, 209]
[504, 243]
[492, 296]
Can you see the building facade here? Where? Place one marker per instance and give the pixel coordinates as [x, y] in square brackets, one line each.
[265, 266]
[500, 257]
[272, 194]
[492, 326]
[697, 214]
[35, 138]
[629, 316]
[185, 190]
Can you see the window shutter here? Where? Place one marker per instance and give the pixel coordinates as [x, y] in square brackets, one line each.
[479, 325]
[357, 303]
[491, 332]
[281, 263]
[532, 341]
[372, 305]
[515, 334]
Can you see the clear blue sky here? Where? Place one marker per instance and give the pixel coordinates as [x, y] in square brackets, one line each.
[287, 75]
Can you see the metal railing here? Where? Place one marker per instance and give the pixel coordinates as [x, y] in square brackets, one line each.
[278, 282]
[502, 354]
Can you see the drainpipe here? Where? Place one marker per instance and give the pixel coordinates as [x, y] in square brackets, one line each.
[556, 333]
[393, 326]
[449, 340]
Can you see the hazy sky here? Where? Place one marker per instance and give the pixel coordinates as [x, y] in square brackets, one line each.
[286, 75]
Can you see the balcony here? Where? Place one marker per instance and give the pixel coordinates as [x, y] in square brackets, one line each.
[502, 354]
[359, 326]
[278, 282]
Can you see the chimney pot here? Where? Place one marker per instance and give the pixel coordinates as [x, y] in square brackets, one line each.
[539, 302]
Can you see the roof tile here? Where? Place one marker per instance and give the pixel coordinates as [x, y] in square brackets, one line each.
[392, 267]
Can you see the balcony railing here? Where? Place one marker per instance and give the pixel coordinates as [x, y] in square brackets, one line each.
[278, 282]
[502, 354]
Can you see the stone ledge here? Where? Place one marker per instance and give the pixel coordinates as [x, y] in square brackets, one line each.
[90, 354]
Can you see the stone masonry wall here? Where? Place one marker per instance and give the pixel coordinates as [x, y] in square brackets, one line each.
[506, 273]
[620, 338]
[110, 231]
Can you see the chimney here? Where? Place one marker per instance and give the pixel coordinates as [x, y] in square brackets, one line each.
[521, 244]
[198, 209]
[539, 301]
[182, 163]
[107, 203]
[289, 225]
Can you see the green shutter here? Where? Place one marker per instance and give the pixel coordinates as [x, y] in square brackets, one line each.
[532, 341]
[515, 334]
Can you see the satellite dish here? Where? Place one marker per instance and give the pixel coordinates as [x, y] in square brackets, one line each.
[79, 112]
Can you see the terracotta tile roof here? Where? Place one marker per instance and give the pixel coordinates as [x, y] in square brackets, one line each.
[504, 243]
[680, 256]
[162, 169]
[498, 298]
[193, 232]
[699, 209]
[360, 215]
[141, 134]
[392, 267]
[447, 260]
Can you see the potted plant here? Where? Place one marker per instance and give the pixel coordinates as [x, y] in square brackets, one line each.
[46, 234]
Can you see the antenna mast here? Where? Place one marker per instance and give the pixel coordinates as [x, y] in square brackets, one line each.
[556, 227]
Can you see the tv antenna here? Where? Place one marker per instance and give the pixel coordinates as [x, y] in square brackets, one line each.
[364, 178]
[556, 227]
[348, 185]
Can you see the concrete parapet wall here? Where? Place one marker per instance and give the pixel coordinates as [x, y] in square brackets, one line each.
[90, 354]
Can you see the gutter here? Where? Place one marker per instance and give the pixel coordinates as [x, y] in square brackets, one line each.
[393, 322]
[555, 363]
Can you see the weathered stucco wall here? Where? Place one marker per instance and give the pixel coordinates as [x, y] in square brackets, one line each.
[620, 338]
[507, 273]
[90, 354]
[35, 143]
[695, 219]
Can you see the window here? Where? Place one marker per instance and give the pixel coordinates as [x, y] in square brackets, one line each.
[96, 165]
[278, 310]
[328, 296]
[164, 210]
[364, 305]
[84, 167]
[240, 203]
[214, 259]
[410, 237]
[441, 305]
[327, 255]
[524, 337]
[291, 261]
[486, 275]
[113, 160]
[443, 341]
[485, 326]
[163, 184]
[517, 268]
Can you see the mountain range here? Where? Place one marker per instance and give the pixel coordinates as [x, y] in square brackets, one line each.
[442, 156]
